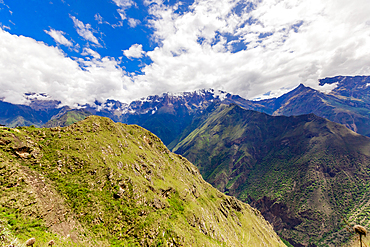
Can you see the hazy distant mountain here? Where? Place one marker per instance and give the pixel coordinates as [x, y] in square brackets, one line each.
[351, 87]
[169, 115]
[348, 103]
[21, 115]
[303, 172]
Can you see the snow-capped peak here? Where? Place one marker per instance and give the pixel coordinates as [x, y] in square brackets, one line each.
[201, 92]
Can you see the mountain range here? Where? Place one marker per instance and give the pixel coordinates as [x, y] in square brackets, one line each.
[100, 183]
[304, 173]
[302, 159]
[168, 115]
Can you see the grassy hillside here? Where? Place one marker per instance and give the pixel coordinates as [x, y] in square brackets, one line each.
[304, 173]
[100, 183]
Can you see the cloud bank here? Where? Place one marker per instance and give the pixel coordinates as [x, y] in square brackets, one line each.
[243, 47]
[28, 66]
[283, 43]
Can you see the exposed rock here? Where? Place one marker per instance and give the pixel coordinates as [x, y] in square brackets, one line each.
[167, 193]
[158, 204]
[276, 213]
[30, 242]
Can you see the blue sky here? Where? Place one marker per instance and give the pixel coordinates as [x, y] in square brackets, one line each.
[110, 34]
[82, 51]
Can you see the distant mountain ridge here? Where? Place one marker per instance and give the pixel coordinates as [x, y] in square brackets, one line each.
[178, 118]
[347, 104]
[22, 115]
[168, 115]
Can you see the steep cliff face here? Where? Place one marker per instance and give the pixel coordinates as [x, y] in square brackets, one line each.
[302, 172]
[100, 183]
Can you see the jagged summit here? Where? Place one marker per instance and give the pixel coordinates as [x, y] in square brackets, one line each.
[201, 92]
[150, 104]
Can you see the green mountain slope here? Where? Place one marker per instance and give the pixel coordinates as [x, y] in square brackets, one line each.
[100, 183]
[67, 117]
[304, 173]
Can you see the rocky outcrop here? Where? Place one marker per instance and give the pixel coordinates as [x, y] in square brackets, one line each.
[277, 213]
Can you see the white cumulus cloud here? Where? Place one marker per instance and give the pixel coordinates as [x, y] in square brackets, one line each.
[283, 43]
[123, 6]
[98, 18]
[135, 51]
[243, 47]
[58, 36]
[133, 22]
[84, 30]
[89, 52]
[30, 66]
